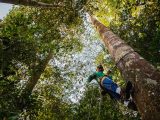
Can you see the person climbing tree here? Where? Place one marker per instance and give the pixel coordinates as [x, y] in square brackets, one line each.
[108, 86]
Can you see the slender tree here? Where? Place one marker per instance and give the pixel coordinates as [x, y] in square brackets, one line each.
[144, 77]
[36, 74]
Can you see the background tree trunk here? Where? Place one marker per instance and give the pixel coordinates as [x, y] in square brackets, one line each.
[36, 73]
[134, 68]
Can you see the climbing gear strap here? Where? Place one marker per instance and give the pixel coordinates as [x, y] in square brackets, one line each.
[122, 58]
[101, 81]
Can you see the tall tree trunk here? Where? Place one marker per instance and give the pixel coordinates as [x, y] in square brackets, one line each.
[144, 77]
[30, 3]
[36, 73]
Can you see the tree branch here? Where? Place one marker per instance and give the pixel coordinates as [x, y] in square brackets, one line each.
[30, 3]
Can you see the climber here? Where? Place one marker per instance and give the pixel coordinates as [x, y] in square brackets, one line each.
[108, 86]
[106, 83]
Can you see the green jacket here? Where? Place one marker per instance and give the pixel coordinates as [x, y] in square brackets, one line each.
[96, 76]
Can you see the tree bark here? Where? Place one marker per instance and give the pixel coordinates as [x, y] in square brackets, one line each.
[144, 76]
[33, 3]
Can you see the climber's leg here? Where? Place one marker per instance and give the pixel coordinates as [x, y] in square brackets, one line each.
[128, 90]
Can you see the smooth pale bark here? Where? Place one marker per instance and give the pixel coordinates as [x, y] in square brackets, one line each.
[37, 71]
[29, 3]
[134, 68]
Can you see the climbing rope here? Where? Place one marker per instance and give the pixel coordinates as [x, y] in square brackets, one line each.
[91, 103]
[90, 107]
[100, 102]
